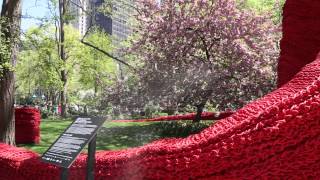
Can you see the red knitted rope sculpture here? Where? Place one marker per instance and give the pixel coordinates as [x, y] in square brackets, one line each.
[190, 116]
[275, 137]
[27, 125]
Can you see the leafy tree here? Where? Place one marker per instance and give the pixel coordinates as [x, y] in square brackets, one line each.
[196, 52]
[40, 66]
[63, 56]
[97, 69]
[9, 32]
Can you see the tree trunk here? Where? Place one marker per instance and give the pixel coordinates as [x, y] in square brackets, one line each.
[95, 88]
[7, 119]
[85, 110]
[53, 100]
[64, 78]
[63, 94]
[197, 118]
[96, 78]
[200, 106]
[11, 14]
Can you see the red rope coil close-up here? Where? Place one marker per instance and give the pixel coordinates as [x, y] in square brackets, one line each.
[27, 125]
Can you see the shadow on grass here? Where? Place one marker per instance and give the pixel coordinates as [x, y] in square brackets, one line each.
[126, 136]
[120, 136]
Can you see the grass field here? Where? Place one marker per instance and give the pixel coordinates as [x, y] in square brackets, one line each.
[118, 135]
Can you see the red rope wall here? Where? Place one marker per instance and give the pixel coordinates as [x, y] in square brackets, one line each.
[301, 41]
[275, 137]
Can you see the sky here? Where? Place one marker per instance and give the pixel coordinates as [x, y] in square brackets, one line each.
[32, 8]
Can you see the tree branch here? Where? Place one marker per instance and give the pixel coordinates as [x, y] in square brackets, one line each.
[106, 53]
[103, 51]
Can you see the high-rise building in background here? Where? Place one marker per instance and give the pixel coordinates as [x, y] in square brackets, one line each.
[87, 13]
[80, 10]
[98, 18]
[122, 12]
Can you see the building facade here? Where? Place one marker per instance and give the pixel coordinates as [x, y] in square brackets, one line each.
[121, 26]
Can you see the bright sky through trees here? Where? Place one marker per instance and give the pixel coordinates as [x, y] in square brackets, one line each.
[32, 8]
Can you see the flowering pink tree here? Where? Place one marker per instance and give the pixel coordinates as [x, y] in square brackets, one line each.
[199, 51]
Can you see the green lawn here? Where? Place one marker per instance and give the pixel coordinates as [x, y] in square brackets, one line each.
[117, 135]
